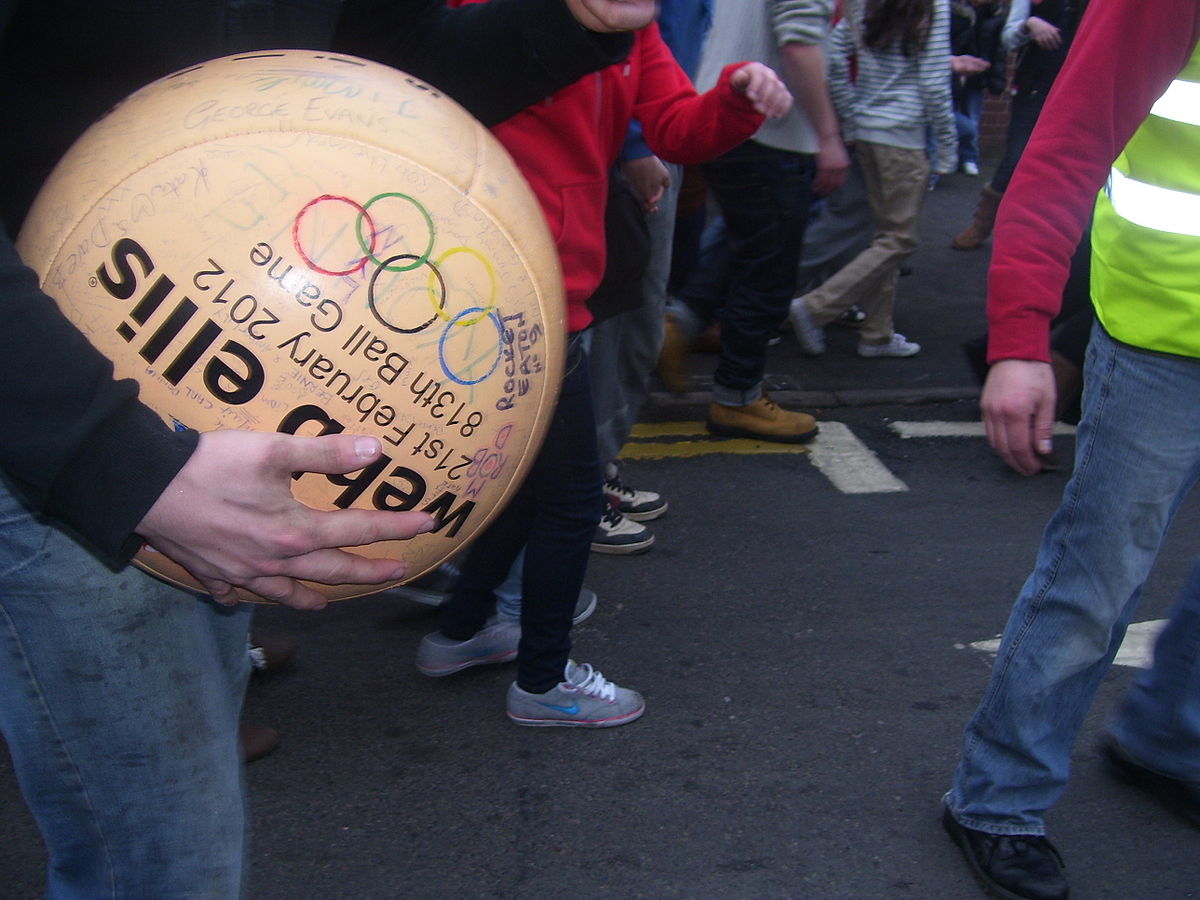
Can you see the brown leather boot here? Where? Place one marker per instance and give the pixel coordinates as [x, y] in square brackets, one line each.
[981, 226]
[763, 419]
[672, 359]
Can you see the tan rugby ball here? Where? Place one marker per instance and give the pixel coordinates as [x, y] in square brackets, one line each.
[309, 243]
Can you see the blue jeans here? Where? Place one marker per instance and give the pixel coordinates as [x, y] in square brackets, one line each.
[1023, 114]
[1137, 456]
[553, 515]
[624, 349]
[119, 700]
[764, 195]
[968, 109]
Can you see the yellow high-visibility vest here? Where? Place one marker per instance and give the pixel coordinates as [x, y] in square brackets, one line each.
[1146, 233]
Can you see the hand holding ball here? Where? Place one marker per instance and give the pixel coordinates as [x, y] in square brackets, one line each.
[298, 242]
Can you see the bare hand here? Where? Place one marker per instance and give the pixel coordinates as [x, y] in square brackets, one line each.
[968, 65]
[762, 87]
[613, 15]
[1043, 33]
[649, 178]
[230, 519]
[1018, 412]
[833, 165]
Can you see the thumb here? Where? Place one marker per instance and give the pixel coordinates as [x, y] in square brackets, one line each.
[1043, 427]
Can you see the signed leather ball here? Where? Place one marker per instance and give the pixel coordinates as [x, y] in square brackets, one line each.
[309, 243]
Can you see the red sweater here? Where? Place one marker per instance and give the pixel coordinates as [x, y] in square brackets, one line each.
[1125, 55]
[566, 145]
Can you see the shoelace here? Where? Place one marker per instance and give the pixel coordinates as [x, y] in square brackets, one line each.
[616, 486]
[593, 683]
[612, 517]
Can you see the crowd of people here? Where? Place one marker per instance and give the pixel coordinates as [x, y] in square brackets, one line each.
[781, 111]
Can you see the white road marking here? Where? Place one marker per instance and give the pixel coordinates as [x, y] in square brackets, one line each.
[849, 464]
[954, 429]
[1137, 650]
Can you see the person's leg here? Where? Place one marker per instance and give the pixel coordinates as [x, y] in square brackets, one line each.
[695, 305]
[1159, 723]
[1023, 115]
[568, 503]
[967, 115]
[120, 702]
[841, 230]
[625, 348]
[764, 195]
[1137, 455]
[895, 184]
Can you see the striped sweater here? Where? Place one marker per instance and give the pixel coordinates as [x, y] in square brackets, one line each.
[895, 99]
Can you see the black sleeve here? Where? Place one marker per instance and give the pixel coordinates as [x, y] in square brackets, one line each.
[78, 446]
[494, 58]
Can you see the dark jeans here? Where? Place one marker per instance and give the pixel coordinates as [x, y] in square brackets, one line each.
[553, 515]
[1023, 115]
[764, 196]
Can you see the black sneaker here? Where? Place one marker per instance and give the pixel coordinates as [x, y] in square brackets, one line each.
[1010, 866]
[1181, 797]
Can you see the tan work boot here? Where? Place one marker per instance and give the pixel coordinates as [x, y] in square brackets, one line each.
[762, 419]
[672, 359]
[977, 232]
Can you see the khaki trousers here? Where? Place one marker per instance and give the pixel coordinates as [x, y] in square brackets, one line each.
[897, 180]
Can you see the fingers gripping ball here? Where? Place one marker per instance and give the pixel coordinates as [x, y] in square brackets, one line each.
[306, 243]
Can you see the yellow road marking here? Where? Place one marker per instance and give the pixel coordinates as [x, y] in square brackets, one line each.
[642, 443]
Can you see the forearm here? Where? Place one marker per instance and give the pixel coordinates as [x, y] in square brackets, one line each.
[1013, 36]
[804, 74]
[78, 445]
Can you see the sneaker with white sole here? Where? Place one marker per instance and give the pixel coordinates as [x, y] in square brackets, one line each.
[584, 699]
[585, 605]
[620, 535]
[641, 506]
[809, 335]
[898, 348]
[438, 655]
[970, 168]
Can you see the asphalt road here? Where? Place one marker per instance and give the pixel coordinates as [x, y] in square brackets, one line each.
[806, 658]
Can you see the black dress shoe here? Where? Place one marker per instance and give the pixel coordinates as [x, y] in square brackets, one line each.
[1181, 797]
[257, 741]
[1011, 866]
[270, 653]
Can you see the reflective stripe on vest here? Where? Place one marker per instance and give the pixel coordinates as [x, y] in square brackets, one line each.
[1153, 207]
[1146, 230]
[1180, 103]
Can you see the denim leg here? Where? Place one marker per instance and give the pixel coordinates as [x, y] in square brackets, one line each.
[570, 501]
[967, 113]
[764, 195]
[1159, 722]
[1137, 456]
[508, 594]
[840, 231]
[1023, 115]
[553, 516]
[697, 302]
[120, 706]
[625, 348]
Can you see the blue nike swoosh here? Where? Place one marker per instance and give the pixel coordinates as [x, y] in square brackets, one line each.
[571, 710]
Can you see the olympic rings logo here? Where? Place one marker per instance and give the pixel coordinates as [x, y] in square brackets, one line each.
[391, 240]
